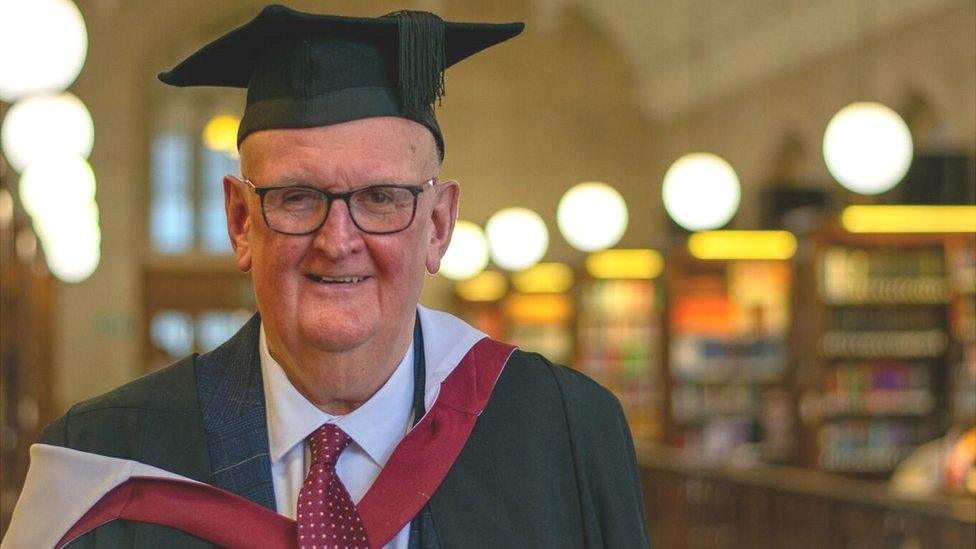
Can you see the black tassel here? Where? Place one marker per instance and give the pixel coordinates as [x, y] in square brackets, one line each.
[421, 62]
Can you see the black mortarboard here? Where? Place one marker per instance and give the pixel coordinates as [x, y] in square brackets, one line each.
[303, 70]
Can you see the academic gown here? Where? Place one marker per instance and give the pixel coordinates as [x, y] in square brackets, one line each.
[549, 462]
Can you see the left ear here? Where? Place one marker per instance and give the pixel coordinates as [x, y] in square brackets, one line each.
[442, 217]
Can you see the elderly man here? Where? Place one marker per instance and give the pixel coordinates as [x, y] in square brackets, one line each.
[343, 414]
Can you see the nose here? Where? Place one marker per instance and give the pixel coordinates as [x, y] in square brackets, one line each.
[338, 236]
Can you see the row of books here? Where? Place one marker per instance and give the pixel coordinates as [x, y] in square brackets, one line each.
[869, 445]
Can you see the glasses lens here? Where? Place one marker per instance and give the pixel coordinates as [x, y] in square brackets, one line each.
[382, 208]
[294, 210]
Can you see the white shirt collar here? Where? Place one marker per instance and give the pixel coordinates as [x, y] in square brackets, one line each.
[377, 426]
[446, 340]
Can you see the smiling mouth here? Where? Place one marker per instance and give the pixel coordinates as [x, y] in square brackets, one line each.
[336, 279]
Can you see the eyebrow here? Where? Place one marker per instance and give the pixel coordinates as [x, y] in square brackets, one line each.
[293, 182]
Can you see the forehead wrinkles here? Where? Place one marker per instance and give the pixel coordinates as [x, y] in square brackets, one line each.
[379, 148]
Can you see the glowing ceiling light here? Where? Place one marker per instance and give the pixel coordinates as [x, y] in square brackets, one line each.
[73, 255]
[867, 148]
[54, 222]
[538, 308]
[592, 216]
[42, 126]
[220, 133]
[43, 45]
[621, 263]
[467, 255]
[71, 237]
[487, 286]
[756, 245]
[517, 238]
[909, 219]
[57, 184]
[701, 191]
[544, 278]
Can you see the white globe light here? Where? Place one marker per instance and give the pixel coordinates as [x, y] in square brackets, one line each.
[46, 125]
[57, 223]
[701, 191]
[467, 255]
[867, 148]
[55, 185]
[73, 255]
[43, 44]
[220, 133]
[517, 238]
[592, 216]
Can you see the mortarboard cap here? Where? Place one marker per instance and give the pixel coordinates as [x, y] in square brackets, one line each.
[303, 70]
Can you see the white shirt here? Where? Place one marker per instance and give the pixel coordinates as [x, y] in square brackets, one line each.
[375, 428]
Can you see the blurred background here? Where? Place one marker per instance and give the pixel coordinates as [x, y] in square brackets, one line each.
[754, 221]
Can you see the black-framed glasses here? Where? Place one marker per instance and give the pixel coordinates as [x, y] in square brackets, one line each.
[301, 210]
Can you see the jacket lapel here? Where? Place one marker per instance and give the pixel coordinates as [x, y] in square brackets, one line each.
[234, 419]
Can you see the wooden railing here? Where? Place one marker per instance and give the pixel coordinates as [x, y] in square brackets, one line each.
[691, 505]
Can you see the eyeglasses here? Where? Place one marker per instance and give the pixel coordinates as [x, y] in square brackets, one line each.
[301, 210]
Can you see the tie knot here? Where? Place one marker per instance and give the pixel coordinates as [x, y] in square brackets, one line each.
[326, 443]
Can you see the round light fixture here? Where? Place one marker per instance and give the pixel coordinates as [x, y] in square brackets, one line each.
[867, 148]
[220, 133]
[487, 286]
[592, 216]
[73, 256]
[71, 238]
[43, 44]
[59, 224]
[59, 195]
[517, 238]
[43, 126]
[701, 191]
[467, 255]
[56, 186]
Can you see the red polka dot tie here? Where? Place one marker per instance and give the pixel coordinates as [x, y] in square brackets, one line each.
[327, 517]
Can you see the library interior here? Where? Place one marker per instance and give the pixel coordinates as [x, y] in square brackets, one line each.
[753, 221]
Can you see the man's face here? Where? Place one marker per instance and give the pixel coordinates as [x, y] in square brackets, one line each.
[300, 311]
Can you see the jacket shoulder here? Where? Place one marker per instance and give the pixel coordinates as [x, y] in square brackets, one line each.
[115, 423]
[535, 393]
[168, 389]
[536, 373]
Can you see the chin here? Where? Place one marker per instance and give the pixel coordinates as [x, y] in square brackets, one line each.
[340, 334]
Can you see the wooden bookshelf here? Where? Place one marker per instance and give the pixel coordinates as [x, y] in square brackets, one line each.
[961, 261]
[728, 360]
[885, 347]
[540, 322]
[619, 343]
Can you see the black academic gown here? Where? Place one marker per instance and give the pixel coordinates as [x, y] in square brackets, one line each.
[550, 462]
